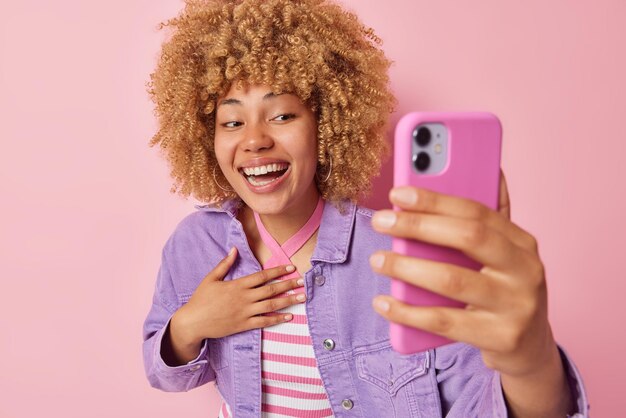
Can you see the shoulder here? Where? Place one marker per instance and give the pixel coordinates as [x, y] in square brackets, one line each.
[363, 230]
[362, 211]
[352, 225]
[201, 219]
[206, 223]
[195, 247]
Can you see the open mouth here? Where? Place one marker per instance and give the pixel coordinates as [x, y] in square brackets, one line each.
[264, 174]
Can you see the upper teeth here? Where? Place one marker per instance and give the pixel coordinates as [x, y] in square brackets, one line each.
[264, 169]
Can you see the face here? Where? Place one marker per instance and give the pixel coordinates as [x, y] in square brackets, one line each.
[266, 146]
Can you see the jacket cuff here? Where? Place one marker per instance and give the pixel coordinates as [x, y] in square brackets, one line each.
[194, 366]
[497, 397]
[575, 381]
[576, 385]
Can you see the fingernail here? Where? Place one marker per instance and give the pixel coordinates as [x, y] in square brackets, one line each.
[290, 269]
[301, 297]
[381, 305]
[404, 195]
[232, 251]
[300, 282]
[288, 317]
[377, 260]
[385, 219]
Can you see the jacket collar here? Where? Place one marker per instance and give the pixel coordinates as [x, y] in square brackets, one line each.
[333, 238]
[230, 207]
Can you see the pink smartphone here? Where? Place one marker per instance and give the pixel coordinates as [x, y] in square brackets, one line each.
[450, 153]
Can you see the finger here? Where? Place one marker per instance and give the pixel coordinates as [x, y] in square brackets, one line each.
[261, 277]
[504, 204]
[276, 303]
[475, 239]
[275, 288]
[220, 271]
[461, 284]
[428, 201]
[263, 321]
[464, 325]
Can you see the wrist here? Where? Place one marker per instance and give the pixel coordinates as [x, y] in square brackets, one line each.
[181, 330]
[537, 365]
[177, 348]
[541, 391]
[532, 358]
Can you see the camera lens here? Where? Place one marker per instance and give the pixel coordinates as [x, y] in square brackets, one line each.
[422, 161]
[422, 136]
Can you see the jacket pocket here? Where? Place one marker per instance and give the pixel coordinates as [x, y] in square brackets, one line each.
[218, 354]
[380, 365]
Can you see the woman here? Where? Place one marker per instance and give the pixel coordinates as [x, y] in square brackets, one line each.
[274, 112]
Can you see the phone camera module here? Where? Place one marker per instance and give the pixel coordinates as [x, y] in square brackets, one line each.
[422, 161]
[422, 136]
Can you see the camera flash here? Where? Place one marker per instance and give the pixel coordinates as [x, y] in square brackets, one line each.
[438, 148]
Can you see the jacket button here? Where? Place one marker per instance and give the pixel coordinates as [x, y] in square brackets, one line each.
[347, 404]
[320, 280]
[329, 344]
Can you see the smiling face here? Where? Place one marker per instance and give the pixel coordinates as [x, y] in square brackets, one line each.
[266, 146]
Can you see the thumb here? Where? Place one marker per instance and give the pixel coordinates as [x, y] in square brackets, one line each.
[222, 267]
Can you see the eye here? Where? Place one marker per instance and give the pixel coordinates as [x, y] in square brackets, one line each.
[231, 124]
[284, 117]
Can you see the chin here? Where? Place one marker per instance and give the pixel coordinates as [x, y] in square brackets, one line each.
[276, 199]
[265, 205]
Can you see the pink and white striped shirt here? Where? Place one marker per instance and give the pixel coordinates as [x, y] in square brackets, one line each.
[291, 382]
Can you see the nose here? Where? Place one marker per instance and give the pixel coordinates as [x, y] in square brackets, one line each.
[257, 137]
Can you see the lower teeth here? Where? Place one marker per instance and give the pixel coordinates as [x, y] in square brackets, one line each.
[256, 183]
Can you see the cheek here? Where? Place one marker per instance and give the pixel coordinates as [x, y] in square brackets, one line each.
[307, 157]
[312, 153]
[306, 151]
[223, 152]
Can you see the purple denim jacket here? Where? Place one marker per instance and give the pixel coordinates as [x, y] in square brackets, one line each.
[361, 373]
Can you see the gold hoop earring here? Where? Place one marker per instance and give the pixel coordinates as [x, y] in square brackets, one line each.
[217, 182]
[330, 170]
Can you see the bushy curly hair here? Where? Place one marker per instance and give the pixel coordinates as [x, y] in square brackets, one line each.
[311, 48]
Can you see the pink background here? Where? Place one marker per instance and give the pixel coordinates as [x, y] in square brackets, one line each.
[86, 205]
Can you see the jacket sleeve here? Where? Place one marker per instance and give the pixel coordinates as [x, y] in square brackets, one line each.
[468, 388]
[576, 386]
[181, 378]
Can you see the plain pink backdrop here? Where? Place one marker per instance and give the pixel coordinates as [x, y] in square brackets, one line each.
[86, 207]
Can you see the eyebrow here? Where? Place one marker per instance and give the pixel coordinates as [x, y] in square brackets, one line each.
[269, 95]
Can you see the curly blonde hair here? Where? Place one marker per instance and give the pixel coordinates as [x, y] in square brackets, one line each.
[311, 48]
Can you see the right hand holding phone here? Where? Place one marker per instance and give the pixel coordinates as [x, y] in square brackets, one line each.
[506, 313]
[220, 308]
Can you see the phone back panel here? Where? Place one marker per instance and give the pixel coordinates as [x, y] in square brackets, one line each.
[473, 172]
